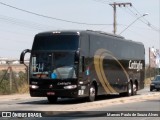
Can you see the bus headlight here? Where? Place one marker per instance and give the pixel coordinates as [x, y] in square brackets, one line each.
[34, 86]
[70, 87]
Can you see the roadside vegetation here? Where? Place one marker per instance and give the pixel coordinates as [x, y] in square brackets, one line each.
[11, 83]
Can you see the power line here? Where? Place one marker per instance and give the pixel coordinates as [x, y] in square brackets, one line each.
[49, 17]
[19, 33]
[137, 27]
[24, 23]
[137, 14]
[17, 41]
[132, 23]
[105, 1]
[133, 14]
[147, 22]
[9, 49]
[102, 1]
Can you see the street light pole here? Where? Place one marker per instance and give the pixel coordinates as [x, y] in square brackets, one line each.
[133, 22]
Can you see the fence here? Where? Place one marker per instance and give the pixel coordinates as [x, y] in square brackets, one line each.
[13, 78]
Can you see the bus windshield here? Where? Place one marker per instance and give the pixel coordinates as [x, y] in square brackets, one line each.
[54, 65]
[56, 42]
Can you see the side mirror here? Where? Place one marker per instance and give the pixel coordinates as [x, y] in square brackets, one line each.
[77, 56]
[23, 54]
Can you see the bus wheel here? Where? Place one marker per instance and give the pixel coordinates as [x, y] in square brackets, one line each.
[134, 89]
[92, 93]
[129, 89]
[52, 99]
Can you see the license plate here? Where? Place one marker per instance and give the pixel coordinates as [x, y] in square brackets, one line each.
[50, 93]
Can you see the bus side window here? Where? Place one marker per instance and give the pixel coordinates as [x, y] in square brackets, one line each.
[82, 64]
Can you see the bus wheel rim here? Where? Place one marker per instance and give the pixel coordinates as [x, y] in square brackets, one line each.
[92, 92]
[129, 89]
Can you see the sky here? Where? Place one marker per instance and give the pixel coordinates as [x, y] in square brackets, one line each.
[20, 20]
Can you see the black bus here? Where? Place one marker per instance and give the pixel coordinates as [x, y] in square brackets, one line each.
[87, 63]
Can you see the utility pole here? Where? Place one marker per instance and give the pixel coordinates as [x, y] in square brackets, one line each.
[114, 5]
[10, 76]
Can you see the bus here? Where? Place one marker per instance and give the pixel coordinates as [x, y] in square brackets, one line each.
[84, 63]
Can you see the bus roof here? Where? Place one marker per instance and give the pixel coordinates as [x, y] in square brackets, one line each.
[78, 32]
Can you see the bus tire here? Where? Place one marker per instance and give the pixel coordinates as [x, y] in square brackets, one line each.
[52, 99]
[129, 89]
[92, 93]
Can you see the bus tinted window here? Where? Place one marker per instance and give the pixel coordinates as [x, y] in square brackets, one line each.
[56, 42]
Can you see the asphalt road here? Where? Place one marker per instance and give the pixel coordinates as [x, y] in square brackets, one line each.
[144, 110]
[27, 103]
[144, 101]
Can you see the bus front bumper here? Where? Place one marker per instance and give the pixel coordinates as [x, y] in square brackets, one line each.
[64, 93]
[59, 93]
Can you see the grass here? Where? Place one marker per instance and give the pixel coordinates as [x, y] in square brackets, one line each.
[147, 81]
[23, 88]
